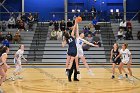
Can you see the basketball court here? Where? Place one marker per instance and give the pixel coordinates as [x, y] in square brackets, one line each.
[52, 79]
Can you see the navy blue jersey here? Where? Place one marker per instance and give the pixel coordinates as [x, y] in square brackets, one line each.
[72, 49]
[71, 42]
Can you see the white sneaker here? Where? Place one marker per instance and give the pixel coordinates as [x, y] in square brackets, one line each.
[131, 78]
[120, 77]
[90, 73]
[19, 77]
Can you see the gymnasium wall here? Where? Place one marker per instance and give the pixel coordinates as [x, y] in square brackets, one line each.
[47, 6]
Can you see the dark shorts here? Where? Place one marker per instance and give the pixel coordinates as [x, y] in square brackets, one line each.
[118, 61]
[72, 52]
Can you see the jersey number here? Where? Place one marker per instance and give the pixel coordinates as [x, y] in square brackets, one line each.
[70, 40]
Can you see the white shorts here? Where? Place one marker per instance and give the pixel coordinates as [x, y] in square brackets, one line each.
[125, 61]
[17, 62]
[80, 53]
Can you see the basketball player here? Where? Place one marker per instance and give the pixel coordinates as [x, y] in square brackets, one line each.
[3, 64]
[17, 60]
[114, 53]
[126, 59]
[79, 43]
[72, 50]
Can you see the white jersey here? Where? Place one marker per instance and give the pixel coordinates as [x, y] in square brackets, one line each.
[125, 55]
[19, 54]
[79, 43]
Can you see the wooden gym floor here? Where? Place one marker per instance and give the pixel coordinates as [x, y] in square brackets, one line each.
[54, 80]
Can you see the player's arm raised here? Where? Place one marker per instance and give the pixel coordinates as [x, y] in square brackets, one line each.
[85, 41]
[74, 28]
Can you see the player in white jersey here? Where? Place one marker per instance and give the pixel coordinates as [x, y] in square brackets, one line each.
[126, 59]
[17, 60]
[79, 43]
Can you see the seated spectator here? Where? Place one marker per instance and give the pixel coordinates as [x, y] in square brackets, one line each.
[11, 23]
[17, 38]
[1, 37]
[5, 42]
[89, 39]
[53, 35]
[59, 35]
[112, 17]
[129, 25]
[24, 17]
[86, 31]
[69, 24]
[138, 35]
[62, 25]
[120, 34]
[21, 26]
[128, 35]
[56, 26]
[51, 23]
[9, 36]
[96, 40]
[3, 26]
[123, 25]
[30, 21]
[97, 28]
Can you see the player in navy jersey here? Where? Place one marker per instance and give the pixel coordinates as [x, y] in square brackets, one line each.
[72, 49]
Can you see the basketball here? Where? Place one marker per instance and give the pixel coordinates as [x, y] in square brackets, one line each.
[78, 19]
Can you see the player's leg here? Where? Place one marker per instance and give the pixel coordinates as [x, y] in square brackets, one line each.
[67, 61]
[130, 71]
[113, 70]
[120, 70]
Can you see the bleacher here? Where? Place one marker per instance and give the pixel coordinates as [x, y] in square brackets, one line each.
[133, 45]
[26, 39]
[55, 54]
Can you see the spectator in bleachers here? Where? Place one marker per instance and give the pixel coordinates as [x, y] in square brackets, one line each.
[24, 17]
[89, 38]
[56, 26]
[129, 25]
[96, 40]
[53, 35]
[11, 23]
[36, 17]
[118, 17]
[120, 34]
[123, 25]
[17, 38]
[3, 25]
[21, 26]
[94, 21]
[9, 36]
[138, 35]
[128, 35]
[86, 31]
[69, 24]
[62, 25]
[30, 21]
[51, 23]
[6, 43]
[59, 35]
[1, 37]
[112, 17]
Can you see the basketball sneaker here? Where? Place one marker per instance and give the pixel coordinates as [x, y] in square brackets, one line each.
[126, 75]
[67, 72]
[113, 77]
[120, 77]
[19, 77]
[90, 72]
[131, 78]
